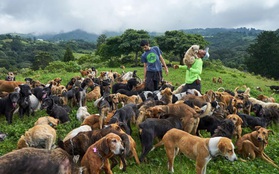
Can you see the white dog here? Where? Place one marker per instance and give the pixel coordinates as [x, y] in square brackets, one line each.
[82, 113]
[191, 55]
[74, 132]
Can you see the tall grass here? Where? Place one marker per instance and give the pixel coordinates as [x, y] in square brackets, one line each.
[156, 160]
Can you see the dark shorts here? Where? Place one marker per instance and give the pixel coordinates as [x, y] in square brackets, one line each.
[152, 80]
[195, 85]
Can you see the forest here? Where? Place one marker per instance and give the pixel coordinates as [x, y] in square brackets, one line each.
[244, 49]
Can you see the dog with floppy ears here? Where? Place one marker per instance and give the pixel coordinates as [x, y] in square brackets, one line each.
[97, 155]
[202, 150]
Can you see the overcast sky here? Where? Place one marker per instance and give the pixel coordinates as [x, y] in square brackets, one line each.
[44, 16]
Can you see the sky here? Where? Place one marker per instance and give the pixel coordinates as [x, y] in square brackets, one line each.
[56, 16]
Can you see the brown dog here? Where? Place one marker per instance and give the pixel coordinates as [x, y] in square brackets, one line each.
[9, 86]
[97, 155]
[94, 94]
[39, 136]
[53, 122]
[237, 121]
[252, 145]
[190, 117]
[202, 150]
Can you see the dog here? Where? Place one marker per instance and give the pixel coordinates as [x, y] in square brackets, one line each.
[74, 132]
[39, 136]
[82, 113]
[214, 80]
[208, 123]
[191, 55]
[253, 121]
[55, 110]
[94, 94]
[24, 101]
[96, 157]
[53, 122]
[92, 121]
[134, 99]
[131, 83]
[190, 117]
[265, 98]
[225, 129]
[8, 106]
[10, 76]
[202, 150]
[274, 87]
[2, 136]
[27, 160]
[153, 128]
[80, 143]
[126, 115]
[9, 86]
[219, 80]
[238, 124]
[252, 145]
[166, 96]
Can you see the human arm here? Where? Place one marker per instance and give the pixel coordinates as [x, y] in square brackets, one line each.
[164, 64]
[144, 70]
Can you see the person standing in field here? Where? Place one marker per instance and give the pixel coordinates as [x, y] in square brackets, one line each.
[153, 60]
[193, 72]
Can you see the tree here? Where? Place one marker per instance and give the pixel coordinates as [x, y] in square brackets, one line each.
[263, 55]
[101, 39]
[177, 42]
[130, 42]
[41, 60]
[68, 56]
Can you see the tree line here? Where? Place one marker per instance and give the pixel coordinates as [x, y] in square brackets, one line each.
[251, 51]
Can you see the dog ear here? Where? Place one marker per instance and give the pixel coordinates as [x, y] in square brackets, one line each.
[105, 145]
[257, 127]
[239, 121]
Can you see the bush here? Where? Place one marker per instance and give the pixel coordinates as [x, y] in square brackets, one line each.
[59, 66]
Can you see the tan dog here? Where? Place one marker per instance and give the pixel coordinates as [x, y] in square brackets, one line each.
[219, 80]
[39, 136]
[94, 94]
[191, 55]
[9, 86]
[237, 121]
[190, 117]
[252, 145]
[265, 98]
[202, 150]
[96, 158]
[214, 80]
[53, 122]
[134, 99]
[166, 96]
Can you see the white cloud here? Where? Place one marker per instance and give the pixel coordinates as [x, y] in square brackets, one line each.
[26, 16]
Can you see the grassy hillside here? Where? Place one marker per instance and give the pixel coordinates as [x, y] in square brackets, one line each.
[156, 160]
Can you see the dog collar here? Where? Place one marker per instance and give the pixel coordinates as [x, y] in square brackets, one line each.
[95, 150]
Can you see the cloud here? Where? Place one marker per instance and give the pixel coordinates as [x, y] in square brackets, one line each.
[28, 16]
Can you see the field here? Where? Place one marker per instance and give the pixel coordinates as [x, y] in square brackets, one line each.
[156, 160]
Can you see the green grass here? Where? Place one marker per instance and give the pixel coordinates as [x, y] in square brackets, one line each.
[156, 160]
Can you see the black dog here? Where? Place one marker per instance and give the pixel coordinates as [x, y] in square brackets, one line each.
[153, 128]
[208, 123]
[24, 100]
[225, 129]
[55, 110]
[125, 115]
[252, 121]
[274, 87]
[42, 93]
[8, 105]
[128, 86]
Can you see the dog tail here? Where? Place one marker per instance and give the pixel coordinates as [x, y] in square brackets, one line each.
[157, 145]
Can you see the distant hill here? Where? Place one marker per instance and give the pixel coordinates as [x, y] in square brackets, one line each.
[92, 37]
